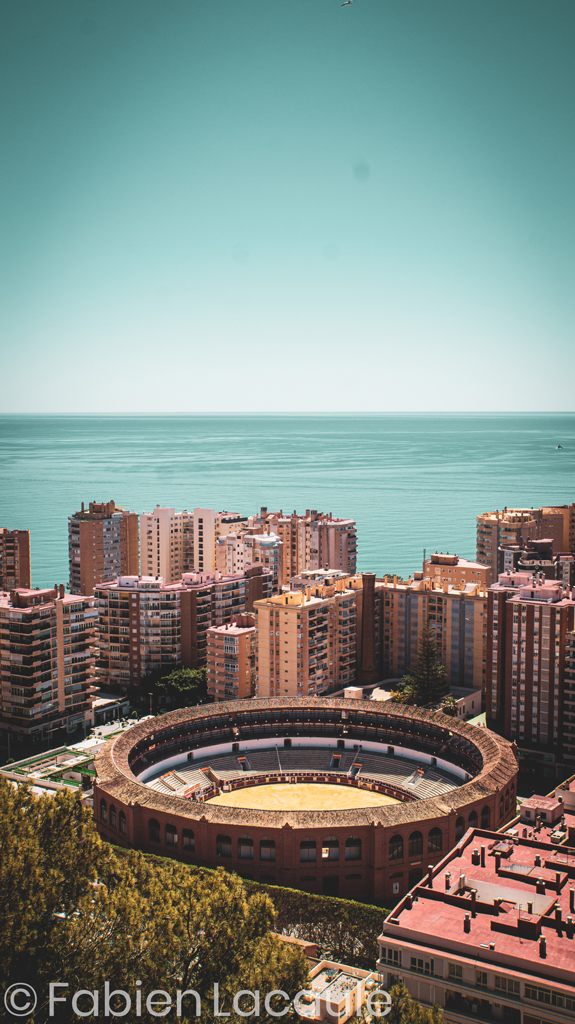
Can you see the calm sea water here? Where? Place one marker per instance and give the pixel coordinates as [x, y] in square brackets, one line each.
[410, 481]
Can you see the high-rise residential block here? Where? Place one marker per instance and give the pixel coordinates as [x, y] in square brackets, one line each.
[236, 551]
[514, 526]
[148, 624]
[14, 559]
[231, 659]
[446, 568]
[162, 534]
[103, 542]
[307, 641]
[47, 661]
[457, 612]
[568, 716]
[529, 618]
[173, 542]
[312, 541]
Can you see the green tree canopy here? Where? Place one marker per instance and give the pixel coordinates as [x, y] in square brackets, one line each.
[175, 688]
[427, 682]
[72, 911]
[405, 1010]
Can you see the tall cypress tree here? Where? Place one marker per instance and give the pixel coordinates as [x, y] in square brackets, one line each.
[427, 683]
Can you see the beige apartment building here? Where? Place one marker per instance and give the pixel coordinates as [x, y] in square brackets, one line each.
[515, 526]
[315, 540]
[147, 623]
[231, 659]
[307, 641]
[47, 663]
[173, 542]
[446, 568]
[237, 550]
[103, 542]
[14, 559]
[458, 614]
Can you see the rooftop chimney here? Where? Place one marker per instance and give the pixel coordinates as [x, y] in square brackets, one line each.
[482, 856]
[467, 923]
[542, 947]
[430, 876]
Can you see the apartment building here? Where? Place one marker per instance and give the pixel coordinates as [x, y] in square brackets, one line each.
[236, 551]
[47, 662]
[14, 559]
[535, 557]
[529, 619]
[164, 547]
[208, 527]
[569, 699]
[515, 526]
[147, 623]
[315, 540]
[320, 638]
[446, 568]
[488, 933]
[103, 542]
[231, 659]
[458, 614]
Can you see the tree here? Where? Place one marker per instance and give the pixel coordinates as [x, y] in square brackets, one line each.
[405, 1010]
[73, 911]
[449, 705]
[427, 683]
[175, 687]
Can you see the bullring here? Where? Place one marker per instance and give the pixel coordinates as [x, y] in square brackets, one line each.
[155, 782]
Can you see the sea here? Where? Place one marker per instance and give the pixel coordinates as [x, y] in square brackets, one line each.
[414, 483]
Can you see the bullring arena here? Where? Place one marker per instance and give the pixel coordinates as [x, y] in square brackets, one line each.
[342, 797]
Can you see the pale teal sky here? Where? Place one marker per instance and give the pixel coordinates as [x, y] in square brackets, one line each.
[287, 205]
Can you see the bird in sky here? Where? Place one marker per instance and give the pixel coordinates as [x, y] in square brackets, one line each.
[347, 3]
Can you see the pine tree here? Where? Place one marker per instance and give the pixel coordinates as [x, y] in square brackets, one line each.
[405, 1010]
[427, 683]
[75, 911]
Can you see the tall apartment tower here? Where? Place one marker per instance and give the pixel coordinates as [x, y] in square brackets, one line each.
[529, 619]
[568, 716]
[173, 542]
[457, 612]
[14, 559]
[235, 551]
[307, 641]
[515, 526]
[103, 543]
[312, 541]
[231, 659]
[47, 663]
[148, 624]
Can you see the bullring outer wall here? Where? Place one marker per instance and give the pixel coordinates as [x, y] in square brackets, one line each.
[379, 875]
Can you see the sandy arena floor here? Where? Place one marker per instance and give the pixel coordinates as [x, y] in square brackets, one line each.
[302, 796]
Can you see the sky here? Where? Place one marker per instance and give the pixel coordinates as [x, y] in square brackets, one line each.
[286, 205]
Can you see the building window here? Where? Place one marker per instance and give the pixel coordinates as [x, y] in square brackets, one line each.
[435, 841]
[455, 971]
[171, 835]
[481, 979]
[422, 966]
[122, 819]
[246, 849]
[391, 956]
[459, 828]
[330, 849]
[307, 851]
[485, 817]
[472, 820]
[267, 849]
[396, 848]
[223, 846]
[103, 811]
[112, 816]
[415, 846]
[154, 830]
[188, 840]
[353, 849]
